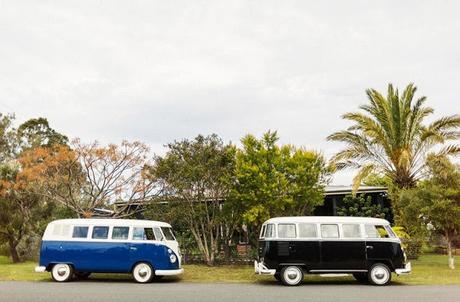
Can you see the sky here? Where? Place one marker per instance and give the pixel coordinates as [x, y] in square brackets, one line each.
[159, 71]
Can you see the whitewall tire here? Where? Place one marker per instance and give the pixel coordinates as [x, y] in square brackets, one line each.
[62, 272]
[379, 274]
[143, 273]
[291, 275]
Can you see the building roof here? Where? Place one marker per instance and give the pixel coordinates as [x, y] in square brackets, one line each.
[341, 190]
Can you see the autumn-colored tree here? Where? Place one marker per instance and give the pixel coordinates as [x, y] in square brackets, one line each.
[87, 177]
[23, 210]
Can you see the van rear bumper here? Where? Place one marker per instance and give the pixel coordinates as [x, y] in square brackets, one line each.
[404, 271]
[40, 269]
[261, 269]
[169, 272]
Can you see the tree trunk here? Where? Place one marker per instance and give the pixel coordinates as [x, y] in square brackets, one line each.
[13, 251]
[449, 254]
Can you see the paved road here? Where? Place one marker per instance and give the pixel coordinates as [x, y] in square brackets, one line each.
[102, 291]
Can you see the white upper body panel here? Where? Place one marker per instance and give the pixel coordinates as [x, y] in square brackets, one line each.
[327, 219]
[66, 225]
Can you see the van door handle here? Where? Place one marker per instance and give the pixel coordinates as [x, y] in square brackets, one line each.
[133, 248]
[369, 247]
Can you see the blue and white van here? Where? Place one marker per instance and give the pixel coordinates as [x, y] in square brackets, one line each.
[78, 247]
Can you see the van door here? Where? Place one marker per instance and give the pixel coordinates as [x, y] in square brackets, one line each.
[376, 248]
[342, 253]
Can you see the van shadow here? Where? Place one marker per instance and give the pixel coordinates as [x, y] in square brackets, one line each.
[324, 282]
[118, 278]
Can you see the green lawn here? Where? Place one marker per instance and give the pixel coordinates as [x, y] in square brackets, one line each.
[429, 269]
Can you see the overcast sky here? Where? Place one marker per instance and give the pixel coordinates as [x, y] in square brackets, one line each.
[157, 71]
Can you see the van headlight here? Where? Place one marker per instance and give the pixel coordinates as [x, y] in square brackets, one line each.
[172, 258]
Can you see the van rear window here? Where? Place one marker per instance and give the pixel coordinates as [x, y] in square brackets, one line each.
[270, 231]
[80, 232]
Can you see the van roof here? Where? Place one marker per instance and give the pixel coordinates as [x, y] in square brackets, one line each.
[110, 222]
[327, 219]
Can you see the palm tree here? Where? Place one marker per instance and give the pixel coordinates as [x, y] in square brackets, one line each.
[390, 137]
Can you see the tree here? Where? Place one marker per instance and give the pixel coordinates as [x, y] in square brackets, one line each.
[38, 133]
[436, 201]
[390, 137]
[22, 210]
[89, 176]
[195, 175]
[361, 206]
[272, 180]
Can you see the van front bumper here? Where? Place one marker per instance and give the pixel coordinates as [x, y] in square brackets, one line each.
[404, 271]
[261, 269]
[169, 272]
[40, 269]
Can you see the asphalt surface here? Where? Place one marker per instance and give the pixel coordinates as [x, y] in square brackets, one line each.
[102, 290]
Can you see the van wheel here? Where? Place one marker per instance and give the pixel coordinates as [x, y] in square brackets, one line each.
[143, 273]
[82, 275]
[291, 275]
[379, 274]
[360, 277]
[62, 272]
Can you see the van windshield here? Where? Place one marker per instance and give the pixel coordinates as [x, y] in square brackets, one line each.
[169, 235]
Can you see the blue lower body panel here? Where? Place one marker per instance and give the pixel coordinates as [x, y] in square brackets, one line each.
[107, 257]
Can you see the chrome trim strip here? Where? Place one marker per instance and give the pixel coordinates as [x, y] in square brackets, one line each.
[338, 270]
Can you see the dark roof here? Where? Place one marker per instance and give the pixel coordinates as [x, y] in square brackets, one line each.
[344, 190]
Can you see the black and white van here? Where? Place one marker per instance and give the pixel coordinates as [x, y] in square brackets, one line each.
[365, 247]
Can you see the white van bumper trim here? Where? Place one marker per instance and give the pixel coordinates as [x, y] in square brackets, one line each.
[406, 270]
[169, 272]
[40, 269]
[261, 269]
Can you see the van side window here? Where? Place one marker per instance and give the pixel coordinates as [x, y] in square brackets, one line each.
[158, 233]
[80, 232]
[270, 231]
[351, 231]
[168, 233]
[120, 233]
[376, 231]
[286, 230]
[100, 232]
[307, 230]
[262, 232]
[143, 234]
[329, 231]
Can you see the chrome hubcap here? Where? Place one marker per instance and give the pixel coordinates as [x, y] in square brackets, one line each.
[143, 272]
[292, 275]
[62, 271]
[380, 275]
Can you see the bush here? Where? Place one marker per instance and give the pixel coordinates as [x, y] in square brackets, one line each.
[412, 245]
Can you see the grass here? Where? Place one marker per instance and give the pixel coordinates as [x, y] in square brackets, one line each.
[428, 269]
